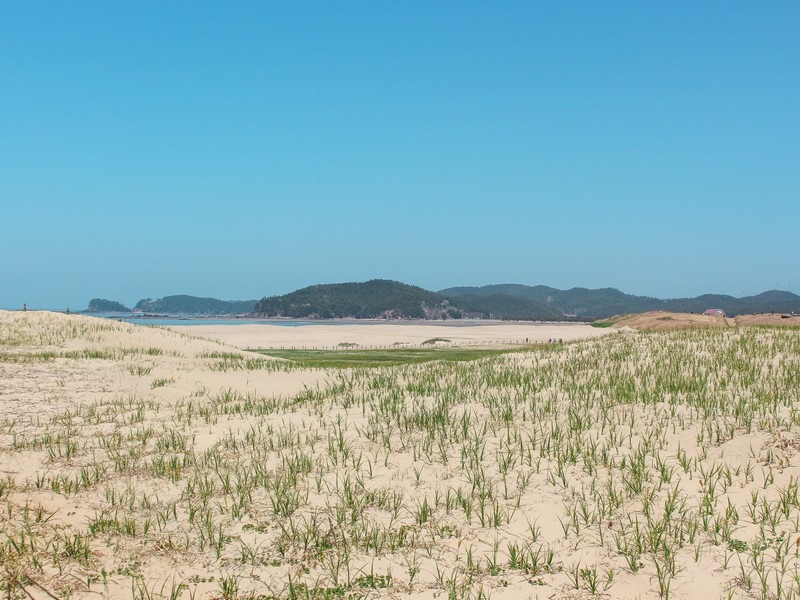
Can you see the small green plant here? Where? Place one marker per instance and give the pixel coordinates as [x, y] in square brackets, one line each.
[435, 340]
[161, 382]
[737, 545]
[140, 370]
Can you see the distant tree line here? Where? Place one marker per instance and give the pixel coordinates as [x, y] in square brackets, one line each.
[183, 304]
[101, 305]
[378, 298]
[606, 302]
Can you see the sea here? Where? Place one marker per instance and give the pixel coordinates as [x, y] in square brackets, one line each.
[189, 320]
[166, 320]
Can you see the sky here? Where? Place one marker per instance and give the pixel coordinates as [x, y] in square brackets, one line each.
[245, 149]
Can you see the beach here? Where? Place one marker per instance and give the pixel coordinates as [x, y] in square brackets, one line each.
[382, 334]
[153, 463]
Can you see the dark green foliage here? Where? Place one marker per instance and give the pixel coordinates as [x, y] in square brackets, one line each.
[378, 298]
[194, 305]
[99, 305]
[605, 302]
[505, 306]
[381, 298]
[580, 302]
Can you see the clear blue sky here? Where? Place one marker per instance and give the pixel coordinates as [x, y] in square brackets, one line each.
[243, 149]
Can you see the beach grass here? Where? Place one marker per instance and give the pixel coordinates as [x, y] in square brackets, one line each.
[650, 465]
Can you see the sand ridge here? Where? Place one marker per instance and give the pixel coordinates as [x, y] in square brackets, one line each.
[783, 320]
[661, 321]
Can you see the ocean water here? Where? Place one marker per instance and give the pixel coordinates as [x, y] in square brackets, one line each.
[189, 320]
[179, 320]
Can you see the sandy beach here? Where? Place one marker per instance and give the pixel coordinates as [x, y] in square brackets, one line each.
[140, 462]
[380, 334]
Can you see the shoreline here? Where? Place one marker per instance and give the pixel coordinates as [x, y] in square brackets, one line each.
[193, 318]
[344, 320]
[392, 334]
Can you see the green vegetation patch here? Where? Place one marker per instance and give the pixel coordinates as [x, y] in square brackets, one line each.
[163, 381]
[386, 357]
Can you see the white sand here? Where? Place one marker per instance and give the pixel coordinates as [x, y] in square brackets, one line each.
[93, 413]
[387, 334]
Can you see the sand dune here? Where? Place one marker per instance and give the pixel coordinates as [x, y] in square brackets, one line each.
[147, 463]
[783, 320]
[661, 320]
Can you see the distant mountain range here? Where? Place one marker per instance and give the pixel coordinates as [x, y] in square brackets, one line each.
[391, 299]
[385, 299]
[605, 302]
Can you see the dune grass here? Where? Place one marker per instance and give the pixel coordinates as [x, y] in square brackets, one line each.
[627, 466]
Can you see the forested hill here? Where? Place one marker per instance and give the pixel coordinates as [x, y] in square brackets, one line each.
[605, 302]
[378, 298]
[193, 305]
[506, 307]
[101, 305]
[581, 302]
